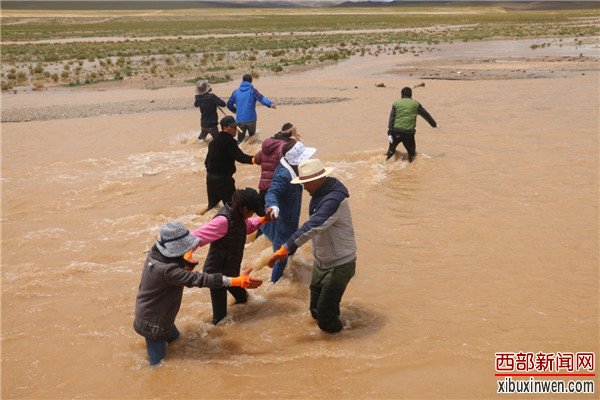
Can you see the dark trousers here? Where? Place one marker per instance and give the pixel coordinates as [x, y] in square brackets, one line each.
[218, 298]
[205, 130]
[408, 140]
[219, 188]
[327, 286]
[249, 127]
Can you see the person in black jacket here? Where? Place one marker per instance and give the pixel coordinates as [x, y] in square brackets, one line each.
[167, 270]
[207, 102]
[222, 154]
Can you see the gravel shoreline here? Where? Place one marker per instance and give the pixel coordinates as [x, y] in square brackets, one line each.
[131, 107]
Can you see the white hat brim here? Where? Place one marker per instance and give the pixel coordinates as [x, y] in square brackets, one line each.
[299, 180]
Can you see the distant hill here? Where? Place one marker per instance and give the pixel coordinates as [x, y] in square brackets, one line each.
[509, 5]
[190, 4]
[152, 5]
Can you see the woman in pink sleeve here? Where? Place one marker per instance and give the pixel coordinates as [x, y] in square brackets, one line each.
[226, 233]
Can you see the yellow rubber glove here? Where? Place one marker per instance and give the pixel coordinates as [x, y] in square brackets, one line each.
[279, 255]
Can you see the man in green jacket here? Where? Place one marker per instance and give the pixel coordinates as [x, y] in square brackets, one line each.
[403, 120]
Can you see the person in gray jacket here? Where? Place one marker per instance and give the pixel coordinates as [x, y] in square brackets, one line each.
[167, 269]
[333, 243]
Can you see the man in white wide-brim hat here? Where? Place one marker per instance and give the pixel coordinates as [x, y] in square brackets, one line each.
[333, 243]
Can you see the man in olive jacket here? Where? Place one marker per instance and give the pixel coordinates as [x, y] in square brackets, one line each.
[402, 123]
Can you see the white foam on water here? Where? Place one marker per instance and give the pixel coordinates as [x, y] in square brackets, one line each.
[46, 233]
[369, 166]
[73, 245]
[24, 271]
[96, 334]
[115, 186]
[79, 164]
[185, 138]
[129, 226]
[74, 269]
[134, 166]
[84, 266]
[72, 171]
[152, 163]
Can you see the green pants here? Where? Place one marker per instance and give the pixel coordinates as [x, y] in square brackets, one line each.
[327, 287]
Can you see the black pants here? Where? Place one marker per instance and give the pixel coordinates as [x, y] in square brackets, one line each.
[249, 127]
[408, 140]
[205, 130]
[219, 188]
[218, 298]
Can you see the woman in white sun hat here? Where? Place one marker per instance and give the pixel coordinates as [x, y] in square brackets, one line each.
[283, 200]
[333, 243]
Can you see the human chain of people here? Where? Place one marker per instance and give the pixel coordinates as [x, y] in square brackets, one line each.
[286, 166]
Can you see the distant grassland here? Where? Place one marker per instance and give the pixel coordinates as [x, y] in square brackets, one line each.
[483, 26]
[197, 23]
[178, 58]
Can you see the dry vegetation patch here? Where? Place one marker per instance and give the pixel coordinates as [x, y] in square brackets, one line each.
[170, 48]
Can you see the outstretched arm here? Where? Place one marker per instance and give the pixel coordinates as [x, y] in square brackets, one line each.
[238, 155]
[219, 101]
[423, 113]
[263, 99]
[320, 221]
[211, 231]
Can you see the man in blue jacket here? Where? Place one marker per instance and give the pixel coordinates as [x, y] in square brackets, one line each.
[334, 246]
[243, 103]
